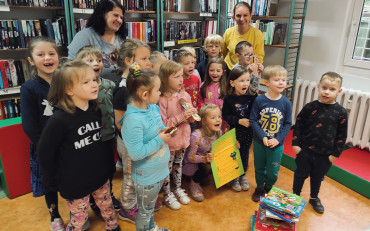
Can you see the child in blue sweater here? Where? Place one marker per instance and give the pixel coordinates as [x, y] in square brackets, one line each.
[146, 142]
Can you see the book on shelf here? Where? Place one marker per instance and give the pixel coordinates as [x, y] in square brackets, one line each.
[273, 32]
[144, 31]
[184, 30]
[259, 7]
[17, 33]
[13, 73]
[10, 108]
[36, 3]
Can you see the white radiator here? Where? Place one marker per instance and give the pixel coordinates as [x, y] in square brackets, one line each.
[356, 102]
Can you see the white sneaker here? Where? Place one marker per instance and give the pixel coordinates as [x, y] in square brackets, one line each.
[182, 196]
[171, 201]
[236, 185]
[244, 183]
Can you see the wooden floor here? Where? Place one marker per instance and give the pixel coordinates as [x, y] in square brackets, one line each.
[223, 209]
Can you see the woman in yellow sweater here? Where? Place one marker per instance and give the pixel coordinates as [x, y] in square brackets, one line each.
[242, 32]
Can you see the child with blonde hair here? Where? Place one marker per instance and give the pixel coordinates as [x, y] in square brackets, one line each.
[157, 58]
[146, 141]
[213, 46]
[192, 51]
[198, 156]
[131, 50]
[172, 113]
[72, 157]
[93, 57]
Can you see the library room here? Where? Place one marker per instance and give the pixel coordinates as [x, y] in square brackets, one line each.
[250, 115]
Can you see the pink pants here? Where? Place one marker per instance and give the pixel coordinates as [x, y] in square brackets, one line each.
[79, 209]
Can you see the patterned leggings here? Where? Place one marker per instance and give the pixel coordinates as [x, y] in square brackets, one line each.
[79, 209]
[175, 167]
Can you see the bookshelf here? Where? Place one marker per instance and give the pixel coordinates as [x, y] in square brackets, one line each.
[291, 12]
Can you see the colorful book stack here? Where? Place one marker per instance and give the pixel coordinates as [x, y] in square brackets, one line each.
[279, 210]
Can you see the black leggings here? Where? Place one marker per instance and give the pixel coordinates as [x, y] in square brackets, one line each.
[203, 171]
[51, 199]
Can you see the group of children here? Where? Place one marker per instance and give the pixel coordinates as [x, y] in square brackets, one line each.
[73, 137]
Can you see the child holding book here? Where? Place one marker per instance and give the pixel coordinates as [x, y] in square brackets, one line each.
[213, 46]
[244, 55]
[93, 57]
[198, 156]
[72, 157]
[271, 119]
[319, 136]
[146, 141]
[236, 111]
[172, 113]
[36, 110]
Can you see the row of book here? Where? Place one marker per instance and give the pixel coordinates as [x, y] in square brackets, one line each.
[273, 32]
[10, 108]
[278, 210]
[38, 3]
[177, 30]
[208, 5]
[16, 33]
[259, 7]
[128, 5]
[199, 51]
[13, 73]
[144, 31]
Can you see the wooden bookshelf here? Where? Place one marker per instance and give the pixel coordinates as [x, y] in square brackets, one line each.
[38, 7]
[170, 12]
[139, 12]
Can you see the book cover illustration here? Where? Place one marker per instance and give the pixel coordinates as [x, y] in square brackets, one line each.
[259, 225]
[226, 164]
[283, 201]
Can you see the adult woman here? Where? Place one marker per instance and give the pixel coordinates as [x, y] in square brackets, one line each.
[242, 32]
[106, 31]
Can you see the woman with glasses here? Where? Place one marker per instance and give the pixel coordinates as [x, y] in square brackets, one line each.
[243, 31]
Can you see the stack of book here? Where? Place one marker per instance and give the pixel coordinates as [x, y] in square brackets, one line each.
[279, 210]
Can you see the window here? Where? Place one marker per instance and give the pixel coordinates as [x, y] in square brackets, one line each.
[357, 53]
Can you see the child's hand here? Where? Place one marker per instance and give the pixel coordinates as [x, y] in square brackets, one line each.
[165, 137]
[332, 158]
[244, 122]
[260, 68]
[296, 149]
[187, 114]
[265, 141]
[254, 68]
[273, 143]
[209, 157]
[237, 145]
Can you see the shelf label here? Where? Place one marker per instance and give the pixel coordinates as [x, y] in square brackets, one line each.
[205, 14]
[229, 14]
[83, 11]
[187, 41]
[4, 8]
[169, 43]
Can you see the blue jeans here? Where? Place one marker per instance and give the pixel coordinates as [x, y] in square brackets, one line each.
[146, 197]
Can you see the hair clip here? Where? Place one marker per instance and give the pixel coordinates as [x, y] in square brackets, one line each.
[135, 69]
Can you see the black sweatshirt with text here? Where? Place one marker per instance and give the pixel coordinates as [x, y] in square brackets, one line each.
[71, 154]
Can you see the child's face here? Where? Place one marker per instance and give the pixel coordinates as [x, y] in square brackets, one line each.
[276, 83]
[245, 57]
[215, 72]
[142, 57]
[84, 89]
[213, 120]
[161, 59]
[329, 90]
[45, 58]
[241, 84]
[175, 81]
[155, 93]
[213, 50]
[94, 62]
[188, 65]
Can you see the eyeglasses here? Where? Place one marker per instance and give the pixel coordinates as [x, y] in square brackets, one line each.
[247, 55]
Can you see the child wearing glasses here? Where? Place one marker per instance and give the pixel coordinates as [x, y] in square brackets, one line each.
[244, 54]
[213, 45]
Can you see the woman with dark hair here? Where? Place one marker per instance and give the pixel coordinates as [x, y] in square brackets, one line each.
[243, 31]
[106, 31]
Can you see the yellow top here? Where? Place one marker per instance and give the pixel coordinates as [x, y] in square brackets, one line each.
[232, 37]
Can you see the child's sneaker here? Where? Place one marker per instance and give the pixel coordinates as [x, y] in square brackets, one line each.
[57, 225]
[317, 206]
[116, 204]
[171, 201]
[257, 194]
[244, 183]
[236, 185]
[156, 228]
[196, 191]
[182, 196]
[129, 216]
[157, 205]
